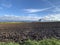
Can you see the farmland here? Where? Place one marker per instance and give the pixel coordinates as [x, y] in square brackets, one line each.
[19, 32]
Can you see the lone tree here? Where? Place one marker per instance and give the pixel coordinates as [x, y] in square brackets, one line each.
[40, 20]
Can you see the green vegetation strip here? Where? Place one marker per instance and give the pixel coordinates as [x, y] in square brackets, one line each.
[8, 43]
[12, 22]
[33, 42]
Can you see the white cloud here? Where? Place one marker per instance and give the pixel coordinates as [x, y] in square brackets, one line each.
[19, 18]
[7, 5]
[35, 10]
[52, 17]
[31, 17]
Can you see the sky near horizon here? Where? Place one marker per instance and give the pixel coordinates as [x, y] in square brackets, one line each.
[30, 10]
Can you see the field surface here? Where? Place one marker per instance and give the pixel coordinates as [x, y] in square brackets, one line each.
[20, 31]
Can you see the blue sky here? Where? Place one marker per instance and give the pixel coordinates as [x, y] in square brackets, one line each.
[30, 9]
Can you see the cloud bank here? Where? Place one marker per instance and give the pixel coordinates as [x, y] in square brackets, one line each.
[52, 17]
[19, 18]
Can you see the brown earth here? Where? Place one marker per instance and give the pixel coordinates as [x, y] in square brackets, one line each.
[22, 31]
